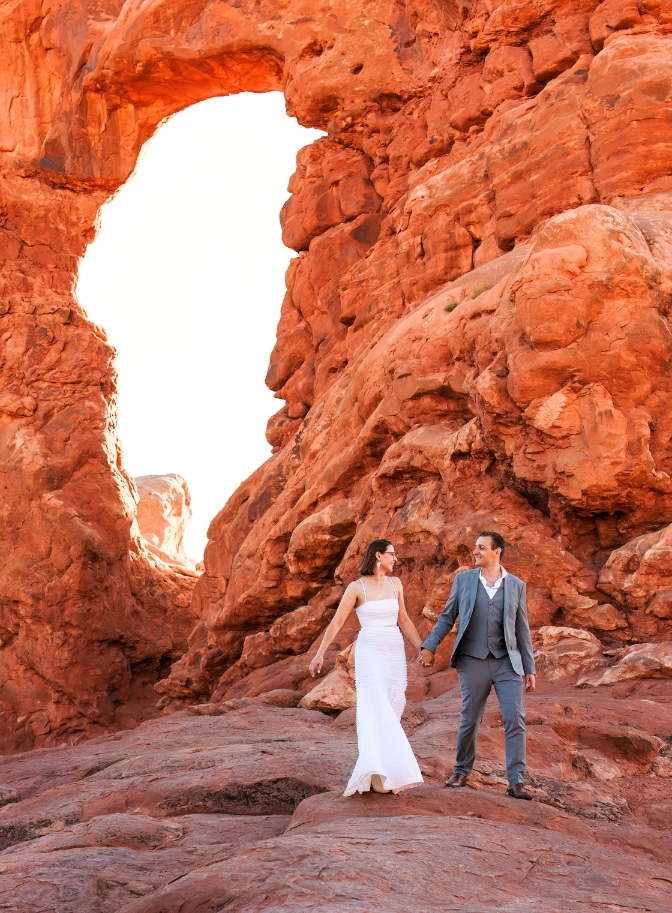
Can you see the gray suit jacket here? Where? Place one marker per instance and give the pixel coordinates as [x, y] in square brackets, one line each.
[516, 626]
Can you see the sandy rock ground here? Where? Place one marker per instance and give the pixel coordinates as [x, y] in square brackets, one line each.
[243, 810]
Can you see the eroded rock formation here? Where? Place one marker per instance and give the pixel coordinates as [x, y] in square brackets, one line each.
[475, 332]
[474, 335]
[163, 514]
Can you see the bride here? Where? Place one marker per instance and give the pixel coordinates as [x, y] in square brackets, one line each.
[386, 761]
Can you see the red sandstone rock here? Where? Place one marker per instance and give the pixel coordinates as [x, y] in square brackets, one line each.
[474, 333]
[290, 634]
[286, 674]
[564, 652]
[164, 510]
[640, 575]
[337, 690]
[636, 662]
[196, 808]
[281, 697]
[110, 861]
[381, 847]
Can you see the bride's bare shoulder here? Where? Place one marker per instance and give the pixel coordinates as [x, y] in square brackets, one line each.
[355, 587]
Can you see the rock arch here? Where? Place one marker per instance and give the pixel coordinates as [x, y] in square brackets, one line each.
[479, 220]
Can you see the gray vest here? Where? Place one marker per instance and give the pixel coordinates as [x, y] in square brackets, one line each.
[485, 631]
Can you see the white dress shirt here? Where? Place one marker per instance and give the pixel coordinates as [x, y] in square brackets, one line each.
[491, 590]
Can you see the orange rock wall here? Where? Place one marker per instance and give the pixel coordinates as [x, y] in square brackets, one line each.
[475, 331]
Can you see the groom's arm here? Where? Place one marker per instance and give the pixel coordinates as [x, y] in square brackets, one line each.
[523, 636]
[444, 622]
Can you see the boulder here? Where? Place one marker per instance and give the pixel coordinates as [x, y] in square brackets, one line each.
[562, 652]
[281, 697]
[164, 511]
[639, 661]
[640, 573]
[337, 690]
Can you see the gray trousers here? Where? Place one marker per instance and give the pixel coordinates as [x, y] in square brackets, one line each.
[477, 676]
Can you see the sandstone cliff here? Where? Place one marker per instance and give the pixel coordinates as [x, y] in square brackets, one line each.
[475, 332]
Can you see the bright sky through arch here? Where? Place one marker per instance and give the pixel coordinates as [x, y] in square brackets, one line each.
[187, 278]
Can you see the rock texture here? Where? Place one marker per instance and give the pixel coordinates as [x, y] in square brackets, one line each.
[636, 662]
[566, 652]
[164, 511]
[475, 334]
[337, 690]
[244, 810]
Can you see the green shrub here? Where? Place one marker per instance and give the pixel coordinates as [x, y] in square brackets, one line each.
[450, 305]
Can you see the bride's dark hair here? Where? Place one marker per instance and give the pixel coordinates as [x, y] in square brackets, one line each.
[369, 559]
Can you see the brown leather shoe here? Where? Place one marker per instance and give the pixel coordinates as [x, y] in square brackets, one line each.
[457, 780]
[518, 791]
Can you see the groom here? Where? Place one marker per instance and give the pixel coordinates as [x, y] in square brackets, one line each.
[493, 647]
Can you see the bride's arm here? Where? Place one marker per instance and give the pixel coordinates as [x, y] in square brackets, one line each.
[407, 627]
[346, 606]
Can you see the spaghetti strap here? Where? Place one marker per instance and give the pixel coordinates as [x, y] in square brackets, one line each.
[364, 588]
[394, 588]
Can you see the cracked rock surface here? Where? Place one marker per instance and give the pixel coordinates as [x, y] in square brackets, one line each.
[244, 810]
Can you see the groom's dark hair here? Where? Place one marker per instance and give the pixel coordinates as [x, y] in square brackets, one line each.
[497, 541]
[369, 559]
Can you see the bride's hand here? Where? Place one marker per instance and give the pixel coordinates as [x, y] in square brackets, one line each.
[426, 658]
[316, 664]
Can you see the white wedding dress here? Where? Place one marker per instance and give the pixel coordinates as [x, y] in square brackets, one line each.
[380, 679]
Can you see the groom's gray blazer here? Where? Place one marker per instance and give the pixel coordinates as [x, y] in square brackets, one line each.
[516, 626]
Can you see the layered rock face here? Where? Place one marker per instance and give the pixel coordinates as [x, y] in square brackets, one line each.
[475, 332]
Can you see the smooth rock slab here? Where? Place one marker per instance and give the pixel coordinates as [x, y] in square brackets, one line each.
[244, 811]
[256, 760]
[425, 864]
[107, 862]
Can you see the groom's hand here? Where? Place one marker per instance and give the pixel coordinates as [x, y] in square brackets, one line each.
[530, 682]
[426, 658]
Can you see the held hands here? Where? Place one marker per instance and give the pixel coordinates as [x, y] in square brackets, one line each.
[530, 682]
[426, 658]
[315, 666]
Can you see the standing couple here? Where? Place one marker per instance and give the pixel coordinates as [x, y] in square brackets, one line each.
[493, 647]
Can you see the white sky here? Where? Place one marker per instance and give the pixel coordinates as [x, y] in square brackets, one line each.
[187, 278]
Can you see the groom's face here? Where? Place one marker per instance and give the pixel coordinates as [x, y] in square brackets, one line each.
[484, 554]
